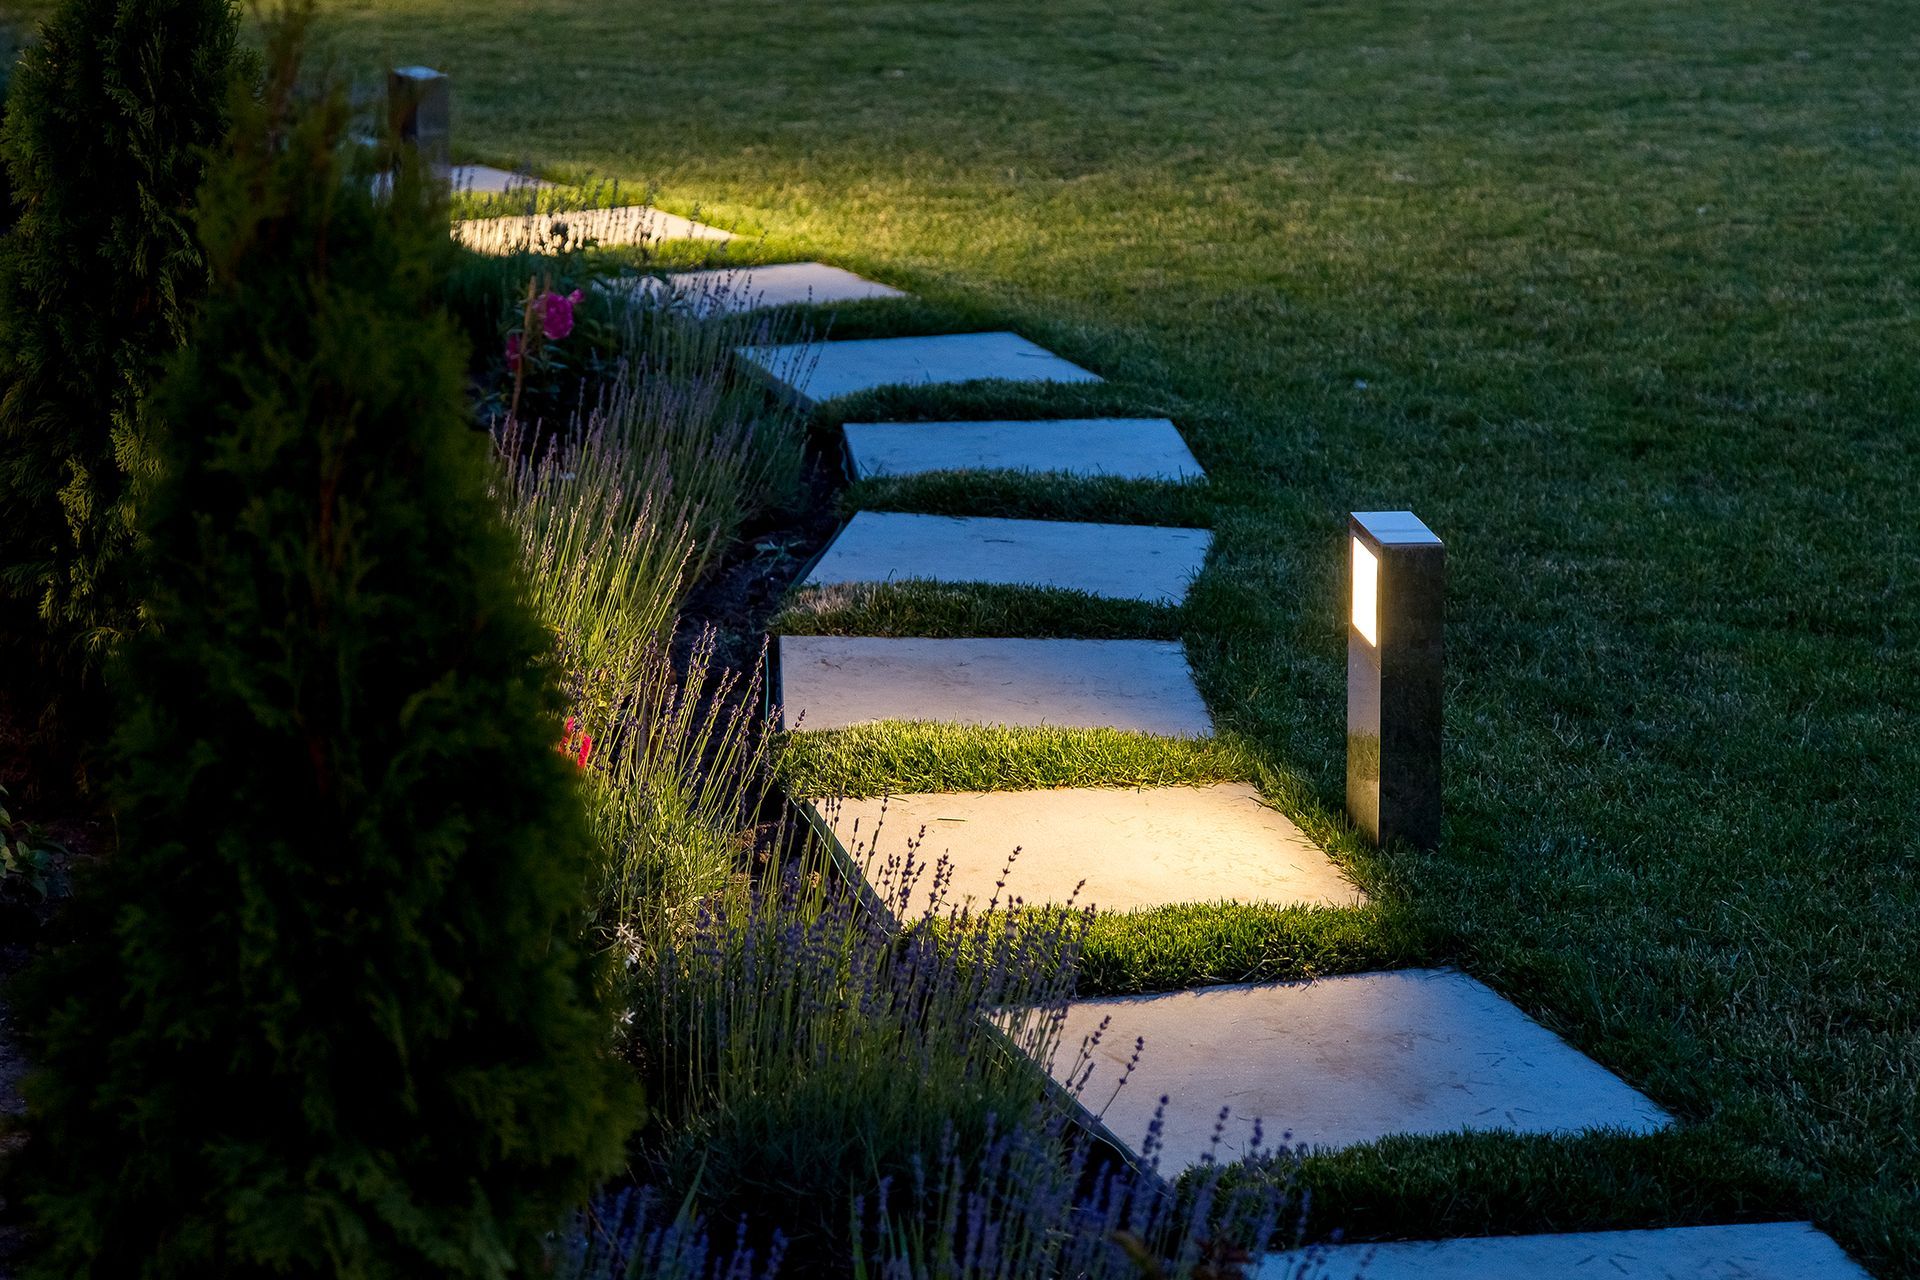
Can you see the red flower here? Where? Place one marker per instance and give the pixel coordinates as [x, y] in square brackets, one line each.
[513, 363]
[558, 322]
[580, 747]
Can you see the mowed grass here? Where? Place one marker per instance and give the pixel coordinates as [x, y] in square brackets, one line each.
[1619, 297]
[915, 607]
[899, 756]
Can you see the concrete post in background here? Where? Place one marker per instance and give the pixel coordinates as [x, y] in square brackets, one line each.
[419, 114]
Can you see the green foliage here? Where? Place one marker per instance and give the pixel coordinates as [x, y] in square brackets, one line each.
[675, 786]
[605, 544]
[110, 115]
[28, 863]
[674, 762]
[9, 51]
[331, 1017]
[803, 1051]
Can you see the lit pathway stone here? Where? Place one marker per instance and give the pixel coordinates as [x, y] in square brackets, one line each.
[730, 291]
[815, 372]
[485, 180]
[1132, 448]
[1340, 1061]
[632, 224]
[1756, 1251]
[1132, 848]
[1123, 561]
[830, 682]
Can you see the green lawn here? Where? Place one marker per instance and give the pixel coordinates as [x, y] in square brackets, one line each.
[1619, 296]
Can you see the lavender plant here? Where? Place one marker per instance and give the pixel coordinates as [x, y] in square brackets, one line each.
[673, 757]
[636, 1232]
[606, 541]
[854, 1087]
[616, 517]
[797, 1045]
[675, 790]
[678, 395]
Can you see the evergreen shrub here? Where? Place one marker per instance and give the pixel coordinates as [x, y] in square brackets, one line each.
[9, 54]
[110, 116]
[331, 1014]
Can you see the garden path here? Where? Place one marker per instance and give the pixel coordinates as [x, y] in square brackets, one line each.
[1331, 1062]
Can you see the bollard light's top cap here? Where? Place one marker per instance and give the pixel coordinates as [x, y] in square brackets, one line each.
[418, 73]
[1395, 529]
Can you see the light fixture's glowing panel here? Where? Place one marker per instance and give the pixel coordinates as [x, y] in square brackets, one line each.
[1366, 593]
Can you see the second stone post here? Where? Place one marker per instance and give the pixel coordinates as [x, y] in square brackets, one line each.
[420, 115]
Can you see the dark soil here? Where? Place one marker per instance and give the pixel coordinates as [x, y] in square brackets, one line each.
[740, 596]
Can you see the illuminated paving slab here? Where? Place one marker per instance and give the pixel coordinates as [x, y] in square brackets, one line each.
[1123, 561]
[1757, 1251]
[1340, 1061]
[815, 372]
[1131, 448]
[632, 224]
[485, 180]
[1131, 848]
[830, 682]
[730, 291]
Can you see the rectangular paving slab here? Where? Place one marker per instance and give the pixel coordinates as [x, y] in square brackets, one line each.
[830, 682]
[815, 372]
[1113, 848]
[734, 290]
[1755, 1251]
[1130, 448]
[1340, 1061]
[537, 232]
[485, 180]
[1123, 561]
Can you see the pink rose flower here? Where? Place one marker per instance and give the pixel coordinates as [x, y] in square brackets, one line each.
[559, 318]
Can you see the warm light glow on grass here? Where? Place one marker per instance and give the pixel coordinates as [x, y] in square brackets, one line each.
[1366, 593]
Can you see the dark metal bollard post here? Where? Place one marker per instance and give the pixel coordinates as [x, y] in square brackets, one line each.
[1395, 662]
[419, 113]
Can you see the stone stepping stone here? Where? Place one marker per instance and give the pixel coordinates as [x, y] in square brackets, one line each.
[485, 180]
[815, 372]
[1122, 561]
[1756, 1251]
[736, 290]
[1133, 848]
[830, 682]
[631, 224]
[1130, 448]
[1339, 1061]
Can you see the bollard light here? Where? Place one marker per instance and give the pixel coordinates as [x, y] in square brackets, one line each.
[419, 113]
[1395, 661]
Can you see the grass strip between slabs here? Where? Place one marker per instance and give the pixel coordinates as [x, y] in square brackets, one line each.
[896, 756]
[1036, 495]
[918, 607]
